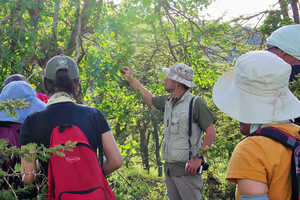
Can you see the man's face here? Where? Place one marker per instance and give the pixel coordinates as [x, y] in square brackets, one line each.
[170, 85]
[244, 128]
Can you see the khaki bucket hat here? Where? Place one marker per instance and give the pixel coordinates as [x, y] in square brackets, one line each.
[181, 73]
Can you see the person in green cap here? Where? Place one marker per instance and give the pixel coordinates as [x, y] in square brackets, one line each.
[61, 80]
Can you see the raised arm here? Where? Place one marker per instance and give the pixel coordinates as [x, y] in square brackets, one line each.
[135, 84]
[111, 151]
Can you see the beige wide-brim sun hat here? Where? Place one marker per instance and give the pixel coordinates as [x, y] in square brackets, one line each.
[256, 91]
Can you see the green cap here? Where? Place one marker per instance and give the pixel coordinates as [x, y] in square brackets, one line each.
[61, 62]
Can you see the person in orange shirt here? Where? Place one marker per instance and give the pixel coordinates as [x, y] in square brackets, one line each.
[256, 92]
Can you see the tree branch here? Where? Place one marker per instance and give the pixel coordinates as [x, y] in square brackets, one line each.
[55, 19]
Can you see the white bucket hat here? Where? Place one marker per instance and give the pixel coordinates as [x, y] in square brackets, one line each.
[181, 73]
[287, 38]
[256, 91]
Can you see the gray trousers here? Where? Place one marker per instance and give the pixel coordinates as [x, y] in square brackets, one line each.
[184, 187]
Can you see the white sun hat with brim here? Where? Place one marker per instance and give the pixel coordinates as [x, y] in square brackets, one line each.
[20, 90]
[287, 38]
[181, 73]
[257, 90]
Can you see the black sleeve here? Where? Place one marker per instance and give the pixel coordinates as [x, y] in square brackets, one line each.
[102, 125]
[26, 135]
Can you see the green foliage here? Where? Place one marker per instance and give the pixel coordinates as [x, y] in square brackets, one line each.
[295, 87]
[145, 35]
[135, 184]
[11, 105]
[274, 21]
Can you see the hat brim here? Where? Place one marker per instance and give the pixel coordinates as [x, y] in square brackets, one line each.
[177, 78]
[35, 106]
[251, 108]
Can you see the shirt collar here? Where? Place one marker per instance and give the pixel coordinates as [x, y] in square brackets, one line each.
[174, 100]
[59, 97]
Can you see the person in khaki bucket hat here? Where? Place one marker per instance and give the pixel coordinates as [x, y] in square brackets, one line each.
[182, 160]
[181, 73]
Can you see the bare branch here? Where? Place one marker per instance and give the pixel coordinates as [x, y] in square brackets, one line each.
[81, 20]
[241, 18]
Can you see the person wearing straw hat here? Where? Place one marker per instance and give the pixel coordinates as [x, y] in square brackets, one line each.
[257, 92]
[181, 159]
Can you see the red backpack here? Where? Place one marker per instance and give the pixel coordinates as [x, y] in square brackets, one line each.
[77, 175]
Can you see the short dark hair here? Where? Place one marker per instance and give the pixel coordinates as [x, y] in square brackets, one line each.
[62, 83]
[14, 77]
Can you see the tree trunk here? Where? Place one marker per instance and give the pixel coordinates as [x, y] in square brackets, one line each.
[143, 145]
[295, 10]
[157, 147]
[284, 8]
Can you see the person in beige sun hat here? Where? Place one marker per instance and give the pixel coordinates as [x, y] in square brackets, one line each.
[181, 160]
[256, 92]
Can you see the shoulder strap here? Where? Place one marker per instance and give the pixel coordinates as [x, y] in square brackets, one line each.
[99, 143]
[100, 150]
[278, 135]
[291, 142]
[190, 126]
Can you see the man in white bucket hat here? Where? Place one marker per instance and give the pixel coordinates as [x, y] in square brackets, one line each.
[181, 159]
[285, 43]
[256, 92]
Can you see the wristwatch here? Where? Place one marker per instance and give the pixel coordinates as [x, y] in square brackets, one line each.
[198, 155]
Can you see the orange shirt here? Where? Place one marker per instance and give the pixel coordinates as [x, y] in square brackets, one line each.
[265, 160]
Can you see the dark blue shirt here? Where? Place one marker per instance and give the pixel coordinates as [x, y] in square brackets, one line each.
[295, 71]
[38, 126]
